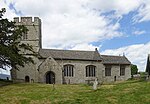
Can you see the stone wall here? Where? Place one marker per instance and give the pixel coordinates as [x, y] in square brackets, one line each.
[115, 71]
[34, 33]
[80, 71]
[38, 71]
[29, 70]
[34, 39]
[49, 65]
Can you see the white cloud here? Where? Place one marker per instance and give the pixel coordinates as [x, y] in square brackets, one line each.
[68, 23]
[120, 7]
[137, 54]
[85, 46]
[137, 32]
[10, 14]
[2, 71]
[143, 12]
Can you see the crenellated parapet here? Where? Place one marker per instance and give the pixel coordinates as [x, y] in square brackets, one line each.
[33, 35]
[27, 21]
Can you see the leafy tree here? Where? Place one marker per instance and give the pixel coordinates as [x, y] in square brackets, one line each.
[10, 46]
[134, 69]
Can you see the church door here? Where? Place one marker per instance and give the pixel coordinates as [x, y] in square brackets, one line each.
[27, 79]
[50, 78]
[115, 78]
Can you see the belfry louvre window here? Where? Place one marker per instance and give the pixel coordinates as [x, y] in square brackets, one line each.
[24, 36]
[68, 70]
[90, 71]
[122, 70]
[107, 70]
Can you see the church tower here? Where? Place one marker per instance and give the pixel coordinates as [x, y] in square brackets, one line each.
[33, 36]
[29, 73]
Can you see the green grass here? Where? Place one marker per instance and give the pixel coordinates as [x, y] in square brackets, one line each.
[4, 82]
[129, 92]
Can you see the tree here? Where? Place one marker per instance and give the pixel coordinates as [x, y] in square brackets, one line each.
[10, 46]
[134, 69]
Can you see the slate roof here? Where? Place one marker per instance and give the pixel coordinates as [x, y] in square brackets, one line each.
[70, 54]
[107, 59]
[83, 55]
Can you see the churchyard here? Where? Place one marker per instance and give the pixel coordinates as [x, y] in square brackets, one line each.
[128, 92]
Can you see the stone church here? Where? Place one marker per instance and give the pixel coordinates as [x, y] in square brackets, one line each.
[67, 66]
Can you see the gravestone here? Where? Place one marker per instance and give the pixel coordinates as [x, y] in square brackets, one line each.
[95, 84]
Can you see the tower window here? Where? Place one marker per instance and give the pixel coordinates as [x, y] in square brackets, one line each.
[24, 36]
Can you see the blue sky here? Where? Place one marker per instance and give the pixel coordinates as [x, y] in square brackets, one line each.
[114, 27]
[128, 27]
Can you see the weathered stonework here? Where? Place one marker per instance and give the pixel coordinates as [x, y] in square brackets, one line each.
[52, 62]
[80, 71]
[115, 71]
[50, 65]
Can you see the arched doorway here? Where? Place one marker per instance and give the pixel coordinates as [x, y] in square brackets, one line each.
[27, 79]
[50, 77]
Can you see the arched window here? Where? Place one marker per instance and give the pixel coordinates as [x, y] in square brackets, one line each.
[27, 79]
[90, 71]
[68, 70]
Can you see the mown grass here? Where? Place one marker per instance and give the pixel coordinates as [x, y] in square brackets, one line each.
[129, 92]
[5, 82]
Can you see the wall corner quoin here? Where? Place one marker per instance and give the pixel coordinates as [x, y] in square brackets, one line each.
[16, 19]
[37, 20]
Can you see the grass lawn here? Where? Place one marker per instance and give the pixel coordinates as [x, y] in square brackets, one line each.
[129, 92]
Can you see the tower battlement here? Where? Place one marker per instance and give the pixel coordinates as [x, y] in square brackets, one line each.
[33, 36]
[27, 21]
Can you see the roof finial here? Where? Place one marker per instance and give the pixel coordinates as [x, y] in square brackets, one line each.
[96, 49]
[123, 54]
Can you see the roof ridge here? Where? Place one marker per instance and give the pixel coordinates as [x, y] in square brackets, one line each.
[68, 50]
[112, 55]
[69, 54]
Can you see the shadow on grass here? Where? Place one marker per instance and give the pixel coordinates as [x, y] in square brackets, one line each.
[5, 83]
